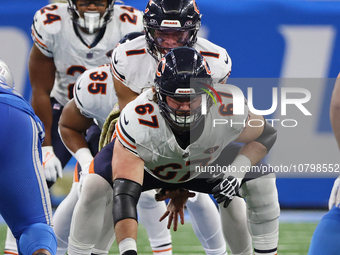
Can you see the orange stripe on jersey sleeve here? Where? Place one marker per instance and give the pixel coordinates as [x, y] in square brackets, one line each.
[209, 54]
[36, 38]
[121, 137]
[115, 74]
[114, 136]
[135, 52]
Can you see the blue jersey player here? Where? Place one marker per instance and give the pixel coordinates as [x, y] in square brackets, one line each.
[326, 236]
[25, 202]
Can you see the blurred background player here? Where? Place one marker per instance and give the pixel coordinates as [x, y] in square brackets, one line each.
[22, 177]
[69, 38]
[326, 236]
[96, 233]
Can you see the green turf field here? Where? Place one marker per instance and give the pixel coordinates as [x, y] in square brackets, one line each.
[294, 240]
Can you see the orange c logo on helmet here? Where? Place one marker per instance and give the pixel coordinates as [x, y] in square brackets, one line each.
[195, 6]
[161, 62]
[206, 66]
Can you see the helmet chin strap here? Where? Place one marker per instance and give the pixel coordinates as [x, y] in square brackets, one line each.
[91, 21]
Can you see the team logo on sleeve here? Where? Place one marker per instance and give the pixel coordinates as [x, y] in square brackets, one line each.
[126, 122]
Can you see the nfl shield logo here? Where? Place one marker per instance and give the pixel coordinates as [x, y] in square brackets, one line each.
[89, 55]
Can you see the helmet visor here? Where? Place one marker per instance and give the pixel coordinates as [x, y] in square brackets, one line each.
[168, 38]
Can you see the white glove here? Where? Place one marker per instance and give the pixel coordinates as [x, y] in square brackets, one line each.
[334, 198]
[51, 163]
[84, 158]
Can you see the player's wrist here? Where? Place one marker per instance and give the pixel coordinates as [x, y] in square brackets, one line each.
[84, 157]
[239, 167]
[46, 149]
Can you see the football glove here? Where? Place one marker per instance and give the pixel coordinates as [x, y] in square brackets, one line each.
[226, 190]
[52, 165]
[334, 198]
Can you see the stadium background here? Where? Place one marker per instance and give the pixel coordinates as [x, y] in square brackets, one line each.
[265, 39]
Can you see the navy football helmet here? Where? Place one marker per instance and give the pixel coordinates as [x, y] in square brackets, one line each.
[183, 75]
[179, 18]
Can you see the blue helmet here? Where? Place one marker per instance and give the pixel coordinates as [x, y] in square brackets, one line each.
[6, 77]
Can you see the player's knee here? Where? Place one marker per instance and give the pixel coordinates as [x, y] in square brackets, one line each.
[262, 199]
[95, 187]
[36, 237]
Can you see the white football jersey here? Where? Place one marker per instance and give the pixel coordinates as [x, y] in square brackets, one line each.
[136, 68]
[54, 34]
[95, 95]
[143, 131]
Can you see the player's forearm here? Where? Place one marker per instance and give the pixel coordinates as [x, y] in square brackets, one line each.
[249, 155]
[255, 151]
[72, 139]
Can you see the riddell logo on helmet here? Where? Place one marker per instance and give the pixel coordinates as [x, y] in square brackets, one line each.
[153, 22]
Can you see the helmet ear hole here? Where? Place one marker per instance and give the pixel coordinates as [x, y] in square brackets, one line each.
[184, 76]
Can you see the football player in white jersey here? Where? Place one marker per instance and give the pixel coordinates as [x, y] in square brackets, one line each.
[162, 135]
[178, 28]
[170, 24]
[138, 67]
[69, 39]
[76, 117]
[94, 98]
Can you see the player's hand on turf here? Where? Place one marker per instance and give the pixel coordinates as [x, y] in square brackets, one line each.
[164, 194]
[175, 207]
[334, 198]
[52, 165]
[226, 190]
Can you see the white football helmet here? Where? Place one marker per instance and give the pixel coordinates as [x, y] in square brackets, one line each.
[91, 21]
[6, 77]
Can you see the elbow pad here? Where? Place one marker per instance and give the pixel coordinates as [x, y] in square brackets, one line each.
[125, 197]
[268, 136]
